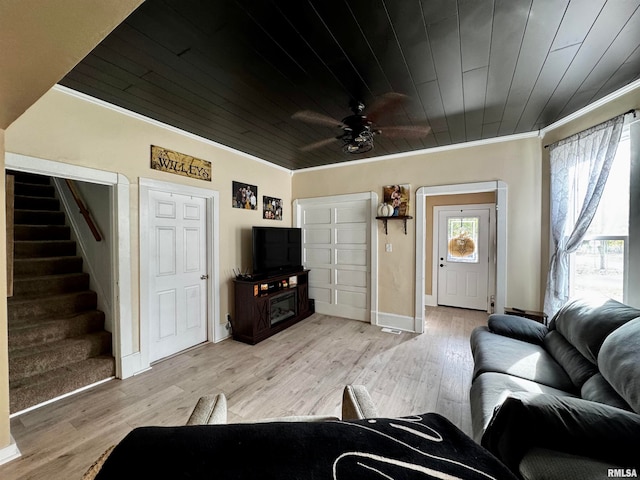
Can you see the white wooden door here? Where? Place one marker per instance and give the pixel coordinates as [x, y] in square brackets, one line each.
[336, 242]
[463, 258]
[178, 273]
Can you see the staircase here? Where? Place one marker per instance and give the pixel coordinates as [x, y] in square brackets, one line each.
[57, 341]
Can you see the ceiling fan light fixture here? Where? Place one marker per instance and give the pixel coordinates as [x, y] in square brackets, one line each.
[352, 147]
[364, 135]
[360, 142]
[358, 129]
[355, 147]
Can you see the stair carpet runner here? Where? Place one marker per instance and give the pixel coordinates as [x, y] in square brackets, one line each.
[57, 341]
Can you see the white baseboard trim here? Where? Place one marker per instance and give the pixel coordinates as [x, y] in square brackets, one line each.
[397, 322]
[227, 334]
[10, 452]
[430, 301]
[342, 311]
[133, 365]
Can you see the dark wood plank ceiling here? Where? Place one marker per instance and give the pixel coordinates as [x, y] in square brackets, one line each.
[235, 71]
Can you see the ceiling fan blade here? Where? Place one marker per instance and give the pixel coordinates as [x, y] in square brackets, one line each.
[317, 118]
[405, 131]
[318, 144]
[384, 105]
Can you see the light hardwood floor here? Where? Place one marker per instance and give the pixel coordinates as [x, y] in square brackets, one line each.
[300, 371]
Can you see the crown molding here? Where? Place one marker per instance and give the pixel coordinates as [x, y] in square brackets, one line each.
[444, 148]
[156, 123]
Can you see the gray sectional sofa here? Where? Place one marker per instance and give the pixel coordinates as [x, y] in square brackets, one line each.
[561, 401]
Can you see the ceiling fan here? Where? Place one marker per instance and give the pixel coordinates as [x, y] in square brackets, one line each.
[358, 129]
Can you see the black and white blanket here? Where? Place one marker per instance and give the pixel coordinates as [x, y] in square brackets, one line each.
[422, 447]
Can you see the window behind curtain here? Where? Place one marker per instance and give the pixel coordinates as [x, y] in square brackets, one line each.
[599, 266]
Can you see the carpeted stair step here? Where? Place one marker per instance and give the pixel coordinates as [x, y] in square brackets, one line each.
[38, 217]
[41, 232]
[24, 177]
[29, 361]
[22, 202]
[23, 309]
[30, 334]
[31, 267]
[33, 390]
[34, 190]
[57, 342]
[50, 284]
[44, 248]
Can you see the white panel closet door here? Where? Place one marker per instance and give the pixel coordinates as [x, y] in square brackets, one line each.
[177, 273]
[336, 248]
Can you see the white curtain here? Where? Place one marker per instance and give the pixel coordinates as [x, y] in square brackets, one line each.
[580, 167]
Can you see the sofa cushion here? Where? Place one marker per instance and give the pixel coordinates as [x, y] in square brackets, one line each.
[421, 446]
[585, 324]
[516, 327]
[490, 389]
[597, 389]
[570, 359]
[495, 353]
[619, 362]
[571, 425]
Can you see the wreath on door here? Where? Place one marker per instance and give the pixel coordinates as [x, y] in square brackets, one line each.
[461, 246]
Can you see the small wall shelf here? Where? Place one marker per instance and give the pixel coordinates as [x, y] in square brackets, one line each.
[404, 219]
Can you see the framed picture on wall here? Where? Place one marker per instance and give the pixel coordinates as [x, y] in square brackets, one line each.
[398, 197]
[271, 208]
[245, 196]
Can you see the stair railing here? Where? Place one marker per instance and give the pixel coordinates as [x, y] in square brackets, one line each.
[83, 210]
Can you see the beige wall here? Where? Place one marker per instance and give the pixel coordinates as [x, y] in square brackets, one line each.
[66, 129]
[446, 200]
[516, 162]
[4, 345]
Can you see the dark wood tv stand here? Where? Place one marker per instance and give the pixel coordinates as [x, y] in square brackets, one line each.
[267, 306]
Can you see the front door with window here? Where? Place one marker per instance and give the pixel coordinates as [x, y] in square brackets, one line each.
[177, 273]
[463, 258]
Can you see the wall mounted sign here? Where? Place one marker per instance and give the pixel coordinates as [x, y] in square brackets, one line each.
[179, 164]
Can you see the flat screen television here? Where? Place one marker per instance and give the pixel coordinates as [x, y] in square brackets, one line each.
[276, 250]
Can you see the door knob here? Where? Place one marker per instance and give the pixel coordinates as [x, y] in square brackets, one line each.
[442, 265]
[204, 277]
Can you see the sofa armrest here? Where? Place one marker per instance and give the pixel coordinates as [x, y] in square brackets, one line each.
[565, 424]
[357, 403]
[210, 410]
[519, 328]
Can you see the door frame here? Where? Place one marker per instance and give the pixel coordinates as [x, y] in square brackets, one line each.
[372, 197]
[501, 190]
[212, 198]
[432, 300]
[124, 348]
